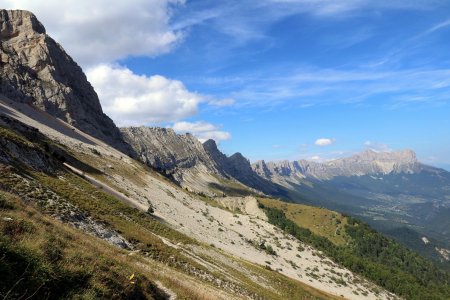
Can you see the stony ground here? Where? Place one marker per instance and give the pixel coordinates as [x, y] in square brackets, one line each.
[232, 227]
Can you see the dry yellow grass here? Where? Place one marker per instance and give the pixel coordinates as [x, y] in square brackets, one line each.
[320, 221]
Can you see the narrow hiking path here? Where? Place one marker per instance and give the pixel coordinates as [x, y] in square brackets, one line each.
[107, 189]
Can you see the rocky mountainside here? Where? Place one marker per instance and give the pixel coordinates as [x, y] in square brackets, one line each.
[35, 69]
[365, 163]
[239, 168]
[79, 219]
[192, 164]
[167, 151]
[393, 191]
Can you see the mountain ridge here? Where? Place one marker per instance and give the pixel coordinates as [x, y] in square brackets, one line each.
[36, 70]
[367, 162]
[62, 189]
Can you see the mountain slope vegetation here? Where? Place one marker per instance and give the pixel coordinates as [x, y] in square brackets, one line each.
[82, 218]
[367, 252]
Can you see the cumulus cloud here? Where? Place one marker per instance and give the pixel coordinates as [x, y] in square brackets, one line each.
[131, 99]
[324, 142]
[202, 130]
[316, 158]
[100, 31]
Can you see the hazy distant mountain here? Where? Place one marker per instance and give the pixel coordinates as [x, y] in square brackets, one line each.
[365, 163]
[391, 190]
[80, 219]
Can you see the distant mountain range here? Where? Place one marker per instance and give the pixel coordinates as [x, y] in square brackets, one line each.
[368, 162]
[393, 191]
[91, 210]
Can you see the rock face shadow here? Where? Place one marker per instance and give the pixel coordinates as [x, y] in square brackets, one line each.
[21, 111]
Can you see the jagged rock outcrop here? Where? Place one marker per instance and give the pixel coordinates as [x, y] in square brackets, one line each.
[190, 162]
[35, 69]
[220, 159]
[164, 150]
[365, 163]
[239, 168]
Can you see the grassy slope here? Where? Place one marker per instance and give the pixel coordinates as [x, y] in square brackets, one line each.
[44, 258]
[320, 221]
[366, 252]
[78, 265]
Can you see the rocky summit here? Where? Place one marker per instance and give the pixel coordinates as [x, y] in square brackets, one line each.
[165, 150]
[191, 164]
[79, 219]
[368, 162]
[35, 69]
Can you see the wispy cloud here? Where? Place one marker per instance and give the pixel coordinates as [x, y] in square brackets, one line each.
[246, 20]
[438, 27]
[376, 146]
[312, 86]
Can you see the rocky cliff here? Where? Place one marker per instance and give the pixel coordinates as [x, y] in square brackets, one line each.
[164, 150]
[365, 163]
[190, 163]
[239, 168]
[36, 70]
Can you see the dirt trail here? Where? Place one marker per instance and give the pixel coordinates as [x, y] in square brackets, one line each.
[107, 189]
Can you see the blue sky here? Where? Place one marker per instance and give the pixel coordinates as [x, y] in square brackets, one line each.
[269, 78]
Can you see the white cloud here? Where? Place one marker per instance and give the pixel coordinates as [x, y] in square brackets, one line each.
[101, 31]
[202, 130]
[377, 147]
[324, 142]
[315, 158]
[131, 99]
[221, 102]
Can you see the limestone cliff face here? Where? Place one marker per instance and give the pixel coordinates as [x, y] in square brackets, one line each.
[166, 151]
[35, 69]
[191, 163]
[238, 167]
[365, 163]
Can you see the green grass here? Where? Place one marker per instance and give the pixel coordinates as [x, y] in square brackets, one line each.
[132, 223]
[42, 259]
[12, 136]
[320, 221]
[379, 259]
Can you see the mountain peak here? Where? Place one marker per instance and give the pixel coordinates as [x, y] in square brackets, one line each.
[400, 156]
[238, 156]
[19, 22]
[210, 144]
[364, 163]
[36, 70]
